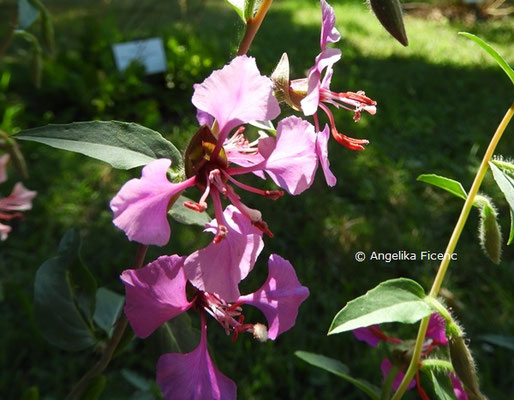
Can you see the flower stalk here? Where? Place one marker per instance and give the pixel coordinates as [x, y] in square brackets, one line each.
[252, 26]
[443, 267]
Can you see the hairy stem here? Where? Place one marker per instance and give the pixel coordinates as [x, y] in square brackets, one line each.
[252, 26]
[443, 267]
[119, 330]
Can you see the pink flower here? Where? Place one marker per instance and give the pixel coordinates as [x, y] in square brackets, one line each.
[20, 199]
[437, 330]
[141, 206]
[386, 366]
[219, 267]
[315, 89]
[157, 293]
[193, 376]
[371, 335]
[459, 391]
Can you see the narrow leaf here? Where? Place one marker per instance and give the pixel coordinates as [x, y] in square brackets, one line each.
[108, 308]
[389, 13]
[450, 185]
[506, 185]
[123, 145]
[395, 300]
[338, 368]
[442, 386]
[186, 216]
[61, 302]
[493, 53]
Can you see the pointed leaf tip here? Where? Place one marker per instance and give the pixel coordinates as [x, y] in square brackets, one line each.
[389, 13]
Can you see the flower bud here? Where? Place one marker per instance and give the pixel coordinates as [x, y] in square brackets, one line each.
[282, 86]
[464, 366]
[490, 233]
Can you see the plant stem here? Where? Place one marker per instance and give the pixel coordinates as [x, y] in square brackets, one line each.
[7, 42]
[443, 267]
[119, 330]
[252, 26]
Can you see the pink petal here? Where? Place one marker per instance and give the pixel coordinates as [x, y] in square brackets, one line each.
[458, 389]
[20, 199]
[322, 152]
[3, 167]
[236, 94]
[141, 206]
[4, 231]
[292, 163]
[368, 335]
[386, 366]
[280, 296]
[325, 60]
[219, 267]
[155, 294]
[193, 376]
[437, 329]
[329, 34]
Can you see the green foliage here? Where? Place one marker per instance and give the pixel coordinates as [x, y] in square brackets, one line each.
[95, 388]
[493, 53]
[108, 308]
[175, 336]
[64, 298]
[506, 185]
[441, 385]
[338, 368]
[395, 300]
[186, 216]
[504, 341]
[123, 145]
[447, 184]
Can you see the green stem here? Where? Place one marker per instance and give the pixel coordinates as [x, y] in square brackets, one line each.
[119, 330]
[252, 26]
[443, 267]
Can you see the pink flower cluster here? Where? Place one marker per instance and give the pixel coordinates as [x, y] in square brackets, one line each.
[207, 281]
[20, 199]
[436, 336]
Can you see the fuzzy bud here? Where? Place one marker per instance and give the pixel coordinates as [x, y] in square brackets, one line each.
[464, 366]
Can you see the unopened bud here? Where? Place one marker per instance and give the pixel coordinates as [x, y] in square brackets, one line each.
[490, 233]
[260, 332]
[464, 367]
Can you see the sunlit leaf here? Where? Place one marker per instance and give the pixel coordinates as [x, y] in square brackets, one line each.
[239, 7]
[124, 145]
[395, 300]
[338, 368]
[506, 185]
[450, 185]
[493, 53]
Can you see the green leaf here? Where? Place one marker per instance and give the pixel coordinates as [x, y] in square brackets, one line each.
[108, 308]
[95, 388]
[390, 15]
[136, 380]
[239, 7]
[499, 340]
[450, 185]
[176, 336]
[27, 14]
[506, 185]
[493, 53]
[442, 386]
[186, 216]
[395, 300]
[249, 8]
[124, 145]
[338, 368]
[64, 298]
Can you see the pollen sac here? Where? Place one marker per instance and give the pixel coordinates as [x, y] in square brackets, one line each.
[260, 332]
[281, 84]
[199, 151]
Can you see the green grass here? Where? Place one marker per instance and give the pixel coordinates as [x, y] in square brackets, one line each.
[439, 101]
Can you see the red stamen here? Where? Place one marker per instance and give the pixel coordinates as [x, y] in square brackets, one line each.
[351, 143]
[263, 226]
[194, 206]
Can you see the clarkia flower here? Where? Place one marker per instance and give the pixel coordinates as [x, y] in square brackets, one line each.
[20, 199]
[234, 95]
[157, 293]
[313, 92]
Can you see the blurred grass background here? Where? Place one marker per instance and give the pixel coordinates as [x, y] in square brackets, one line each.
[439, 101]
